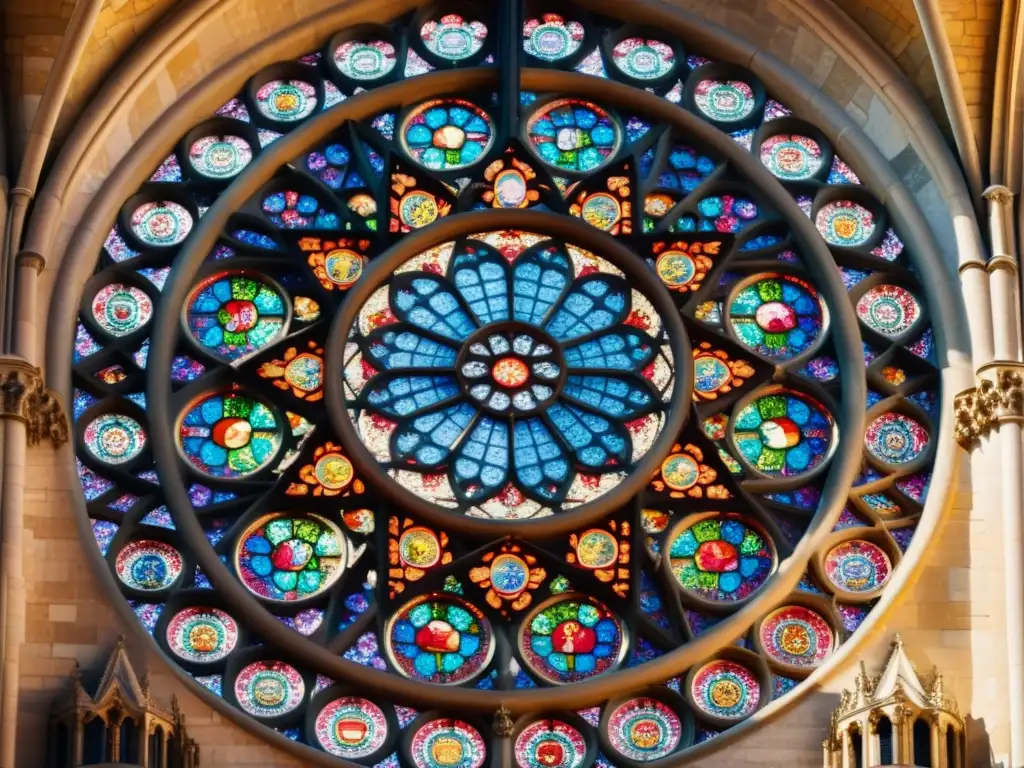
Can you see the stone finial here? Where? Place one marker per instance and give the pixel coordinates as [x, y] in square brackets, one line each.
[503, 724]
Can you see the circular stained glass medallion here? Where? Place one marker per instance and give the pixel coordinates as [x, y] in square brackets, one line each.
[233, 314]
[725, 690]
[778, 316]
[229, 435]
[351, 727]
[797, 636]
[269, 688]
[202, 635]
[446, 134]
[161, 223]
[601, 210]
[889, 309]
[791, 157]
[420, 548]
[723, 559]
[784, 433]
[439, 639]
[726, 101]
[845, 223]
[114, 438]
[305, 373]
[677, 269]
[290, 558]
[365, 59]
[453, 37]
[857, 566]
[121, 309]
[286, 100]
[597, 549]
[644, 729]
[447, 743]
[515, 371]
[643, 59]
[573, 135]
[680, 471]
[509, 575]
[343, 267]
[571, 638]
[219, 157]
[551, 37]
[550, 744]
[710, 374]
[896, 438]
[148, 565]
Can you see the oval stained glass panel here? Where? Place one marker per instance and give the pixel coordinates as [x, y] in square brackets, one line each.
[114, 438]
[233, 314]
[219, 157]
[452, 37]
[791, 157]
[286, 100]
[148, 565]
[845, 223]
[571, 638]
[229, 435]
[439, 639]
[722, 559]
[121, 309]
[290, 558]
[784, 433]
[447, 742]
[779, 316]
[447, 134]
[365, 59]
[269, 688]
[547, 743]
[889, 309]
[644, 729]
[552, 37]
[202, 635]
[857, 566]
[161, 224]
[726, 101]
[351, 727]
[643, 59]
[797, 636]
[573, 135]
[896, 438]
[726, 690]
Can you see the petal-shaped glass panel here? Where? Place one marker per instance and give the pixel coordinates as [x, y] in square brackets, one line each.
[621, 349]
[482, 460]
[596, 441]
[428, 439]
[482, 279]
[593, 304]
[611, 395]
[541, 464]
[539, 280]
[428, 303]
[407, 395]
[395, 348]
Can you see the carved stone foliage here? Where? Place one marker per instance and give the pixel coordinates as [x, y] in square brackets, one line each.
[25, 396]
[998, 397]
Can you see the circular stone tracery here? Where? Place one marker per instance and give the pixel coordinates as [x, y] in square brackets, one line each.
[510, 375]
[512, 575]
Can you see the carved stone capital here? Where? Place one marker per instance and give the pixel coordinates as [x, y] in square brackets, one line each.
[997, 398]
[25, 397]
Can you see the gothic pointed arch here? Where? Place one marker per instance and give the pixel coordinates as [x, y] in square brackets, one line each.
[509, 357]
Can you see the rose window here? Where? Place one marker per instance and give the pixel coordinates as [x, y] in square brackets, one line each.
[614, 402]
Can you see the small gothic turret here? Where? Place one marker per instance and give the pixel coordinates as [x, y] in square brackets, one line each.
[896, 718]
[118, 723]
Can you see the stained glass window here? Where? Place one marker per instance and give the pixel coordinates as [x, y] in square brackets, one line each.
[471, 403]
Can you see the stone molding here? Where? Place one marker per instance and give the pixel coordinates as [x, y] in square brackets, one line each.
[25, 397]
[997, 397]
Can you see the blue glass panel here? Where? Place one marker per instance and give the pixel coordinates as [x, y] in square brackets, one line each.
[483, 459]
[593, 304]
[428, 304]
[408, 349]
[541, 465]
[405, 395]
[622, 350]
[615, 397]
[428, 440]
[539, 280]
[482, 279]
[595, 440]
